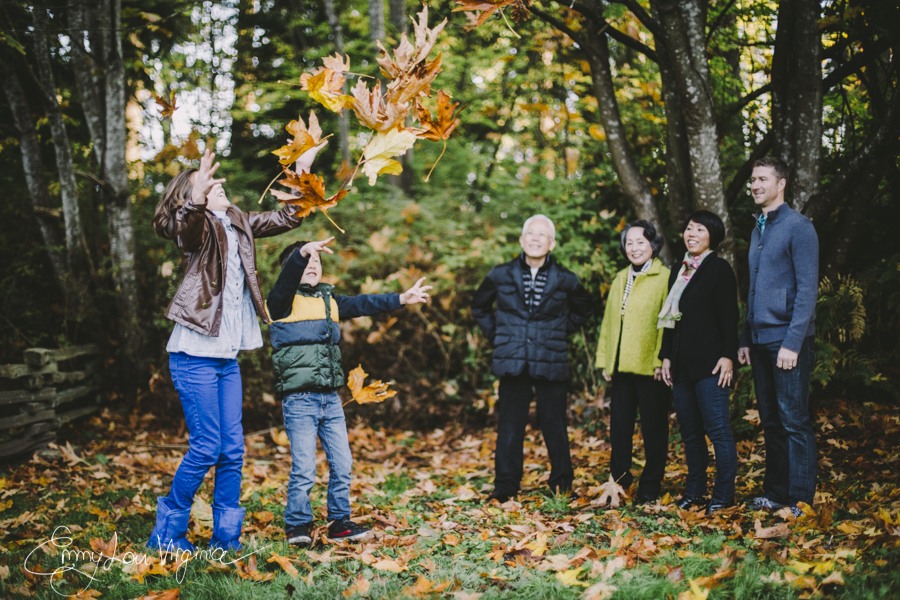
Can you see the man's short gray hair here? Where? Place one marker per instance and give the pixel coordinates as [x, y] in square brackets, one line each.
[531, 219]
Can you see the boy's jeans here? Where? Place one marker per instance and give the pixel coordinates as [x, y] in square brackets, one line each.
[210, 392]
[308, 415]
[783, 400]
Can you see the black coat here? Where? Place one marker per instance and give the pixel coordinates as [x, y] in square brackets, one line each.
[708, 329]
[536, 341]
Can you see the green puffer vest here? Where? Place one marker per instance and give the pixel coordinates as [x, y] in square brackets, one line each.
[307, 356]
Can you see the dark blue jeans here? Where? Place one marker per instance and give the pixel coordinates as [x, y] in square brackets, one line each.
[702, 409]
[782, 397]
[211, 395]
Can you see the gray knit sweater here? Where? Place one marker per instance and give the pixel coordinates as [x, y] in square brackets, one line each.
[784, 275]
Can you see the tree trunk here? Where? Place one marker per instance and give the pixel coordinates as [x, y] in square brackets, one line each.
[684, 25]
[797, 97]
[399, 18]
[76, 247]
[344, 123]
[376, 21]
[33, 167]
[117, 193]
[678, 159]
[86, 83]
[634, 184]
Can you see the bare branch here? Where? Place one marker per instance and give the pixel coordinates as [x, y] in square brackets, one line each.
[718, 21]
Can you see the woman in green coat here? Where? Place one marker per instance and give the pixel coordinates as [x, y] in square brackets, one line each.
[627, 355]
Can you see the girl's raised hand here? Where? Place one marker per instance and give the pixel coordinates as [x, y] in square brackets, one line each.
[203, 180]
[304, 163]
[417, 294]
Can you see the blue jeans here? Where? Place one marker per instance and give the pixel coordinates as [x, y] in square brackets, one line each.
[782, 397]
[211, 395]
[702, 409]
[307, 416]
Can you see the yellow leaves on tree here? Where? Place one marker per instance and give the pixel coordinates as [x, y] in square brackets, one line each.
[381, 150]
[479, 11]
[304, 139]
[374, 392]
[310, 192]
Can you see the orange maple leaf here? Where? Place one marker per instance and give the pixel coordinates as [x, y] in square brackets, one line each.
[440, 128]
[304, 139]
[487, 7]
[167, 105]
[374, 392]
[311, 192]
[162, 595]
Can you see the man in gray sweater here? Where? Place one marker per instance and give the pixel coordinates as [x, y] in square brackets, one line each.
[778, 337]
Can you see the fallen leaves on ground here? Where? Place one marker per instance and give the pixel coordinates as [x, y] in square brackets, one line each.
[422, 495]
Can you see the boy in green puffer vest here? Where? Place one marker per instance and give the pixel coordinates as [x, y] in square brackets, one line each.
[305, 333]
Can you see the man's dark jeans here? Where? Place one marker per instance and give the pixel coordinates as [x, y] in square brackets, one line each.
[783, 400]
[702, 409]
[630, 391]
[512, 417]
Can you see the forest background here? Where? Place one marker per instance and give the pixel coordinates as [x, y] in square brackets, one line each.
[592, 112]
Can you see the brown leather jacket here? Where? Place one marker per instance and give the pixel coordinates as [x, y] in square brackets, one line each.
[198, 302]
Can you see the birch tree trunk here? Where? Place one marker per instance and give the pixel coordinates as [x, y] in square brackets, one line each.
[33, 167]
[683, 26]
[344, 122]
[76, 247]
[117, 192]
[376, 21]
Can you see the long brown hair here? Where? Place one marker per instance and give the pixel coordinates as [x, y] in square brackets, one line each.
[178, 190]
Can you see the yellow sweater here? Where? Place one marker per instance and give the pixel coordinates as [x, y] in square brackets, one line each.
[641, 339]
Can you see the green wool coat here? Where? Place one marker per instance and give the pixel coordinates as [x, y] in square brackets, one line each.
[641, 340]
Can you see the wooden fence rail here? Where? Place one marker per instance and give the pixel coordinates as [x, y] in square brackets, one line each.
[51, 388]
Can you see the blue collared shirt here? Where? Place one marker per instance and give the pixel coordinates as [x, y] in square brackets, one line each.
[239, 329]
[761, 222]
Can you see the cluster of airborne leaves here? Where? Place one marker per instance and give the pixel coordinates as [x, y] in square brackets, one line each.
[434, 536]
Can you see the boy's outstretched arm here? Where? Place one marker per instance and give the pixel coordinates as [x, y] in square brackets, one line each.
[281, 299]
[364, 305]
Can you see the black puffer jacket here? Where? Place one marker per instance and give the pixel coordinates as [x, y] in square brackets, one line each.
[536, 341]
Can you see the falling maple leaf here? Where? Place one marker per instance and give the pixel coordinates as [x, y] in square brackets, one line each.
[325, 86]
[304, 139]
[310, 192]
[486, 8]
[611, 492]
[381, 150]
[374, 392]
[440, 128]
[167, 105]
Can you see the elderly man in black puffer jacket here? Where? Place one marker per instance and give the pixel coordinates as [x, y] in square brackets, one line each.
[538, 302]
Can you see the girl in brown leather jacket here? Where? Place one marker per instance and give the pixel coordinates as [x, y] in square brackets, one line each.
[214, 310]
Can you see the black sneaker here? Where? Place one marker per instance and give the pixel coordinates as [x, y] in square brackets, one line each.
[689, 502]
[299, 535]
[714, 508]
[499, 497]
[643, 499]
[345, 529]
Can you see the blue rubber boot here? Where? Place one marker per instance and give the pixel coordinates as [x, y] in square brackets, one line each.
[170, 533]
[227, 523]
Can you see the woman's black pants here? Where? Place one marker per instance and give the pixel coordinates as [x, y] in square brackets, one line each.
[630, 392]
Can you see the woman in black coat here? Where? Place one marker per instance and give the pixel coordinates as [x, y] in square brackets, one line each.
[699, 349]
